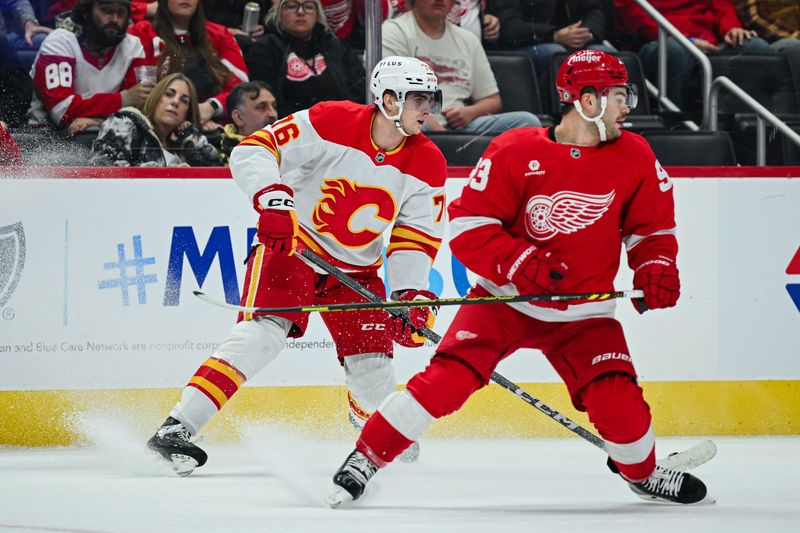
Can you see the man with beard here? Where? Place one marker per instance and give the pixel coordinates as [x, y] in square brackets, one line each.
[85, 70]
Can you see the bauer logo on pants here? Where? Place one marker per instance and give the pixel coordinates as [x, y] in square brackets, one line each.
[12, 259]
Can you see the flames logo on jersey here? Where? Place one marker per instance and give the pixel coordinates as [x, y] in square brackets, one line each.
[353, 214]
[564, 212]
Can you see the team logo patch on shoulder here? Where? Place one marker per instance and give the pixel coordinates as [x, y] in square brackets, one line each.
[564, 212]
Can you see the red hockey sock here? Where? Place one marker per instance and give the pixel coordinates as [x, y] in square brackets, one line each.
[380, 441]
[616, 407]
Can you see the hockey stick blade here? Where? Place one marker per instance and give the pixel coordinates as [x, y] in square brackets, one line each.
[690, 458]
[407, 304]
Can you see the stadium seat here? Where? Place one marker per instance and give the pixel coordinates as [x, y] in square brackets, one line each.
[460, 149]
[691, 148]
[642, 117]
[516, 81]
[767, 78]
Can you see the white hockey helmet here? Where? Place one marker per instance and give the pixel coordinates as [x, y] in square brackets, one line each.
[403, 75]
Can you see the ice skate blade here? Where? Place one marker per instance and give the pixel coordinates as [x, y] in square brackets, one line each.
[338, 496]
[708, 500]
[183, 465]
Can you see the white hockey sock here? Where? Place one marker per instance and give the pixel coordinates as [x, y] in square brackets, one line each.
[250, 346]
[370, 379]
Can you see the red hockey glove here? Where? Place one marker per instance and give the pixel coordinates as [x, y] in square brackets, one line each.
[659, 280]
[277, 223]
[405, 327]
[534, 271]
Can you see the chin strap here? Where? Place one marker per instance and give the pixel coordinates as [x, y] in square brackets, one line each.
[396, 118]
[598, 120]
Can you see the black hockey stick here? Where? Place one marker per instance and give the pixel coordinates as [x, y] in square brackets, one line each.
[696, 455]
[386, 305]
[435, 337]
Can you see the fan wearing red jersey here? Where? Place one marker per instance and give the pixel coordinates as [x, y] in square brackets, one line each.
[548, 209]
[335, 190]
[83, 74]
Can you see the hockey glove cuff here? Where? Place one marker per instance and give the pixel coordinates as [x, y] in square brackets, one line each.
[277, 222]
[405, 328]
[659, 280]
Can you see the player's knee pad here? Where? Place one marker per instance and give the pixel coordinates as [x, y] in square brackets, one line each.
[444, 386]
[370, 379]
[252, 344]
[616, 406]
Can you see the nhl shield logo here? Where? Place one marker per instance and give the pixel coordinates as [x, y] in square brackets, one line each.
[379, 157]
[12, 259]
[575, 153]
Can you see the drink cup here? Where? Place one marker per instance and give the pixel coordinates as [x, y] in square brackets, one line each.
[146, 74]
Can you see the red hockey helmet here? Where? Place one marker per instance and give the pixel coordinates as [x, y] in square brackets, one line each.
[592, 68]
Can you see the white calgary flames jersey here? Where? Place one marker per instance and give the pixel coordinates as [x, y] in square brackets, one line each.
[348, 192]
[579, 203]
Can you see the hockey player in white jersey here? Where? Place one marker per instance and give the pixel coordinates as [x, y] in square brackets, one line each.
[333, 178]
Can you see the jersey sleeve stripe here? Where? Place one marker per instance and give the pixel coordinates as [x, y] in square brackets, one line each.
[413, 234]
[239, 73]
[462, 224]
[633, 240]
[57, 111]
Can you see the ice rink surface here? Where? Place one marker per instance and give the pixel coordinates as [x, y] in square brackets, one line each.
[275, 481]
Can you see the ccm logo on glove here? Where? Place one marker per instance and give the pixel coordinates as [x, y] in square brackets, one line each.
[277, 221]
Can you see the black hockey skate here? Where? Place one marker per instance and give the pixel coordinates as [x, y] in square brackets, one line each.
[351, 479]
[171, 442]
[671, 486]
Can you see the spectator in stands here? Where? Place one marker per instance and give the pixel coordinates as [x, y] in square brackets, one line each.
[542, 28]
[16, 87]
[18, 22]
[471, 98]
[165, 133]
[10, 154]
[472, 16]
[251, 106]
[230, 13]
[181, 40]
[85, 73]
[302, 60]
[711, 25]
[778, 23]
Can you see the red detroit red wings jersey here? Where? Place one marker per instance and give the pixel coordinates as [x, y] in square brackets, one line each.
[348, 192]
[579, 203]
[71, 82]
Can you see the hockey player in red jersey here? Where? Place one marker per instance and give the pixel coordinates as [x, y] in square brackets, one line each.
[333, 178]
[546, 210]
